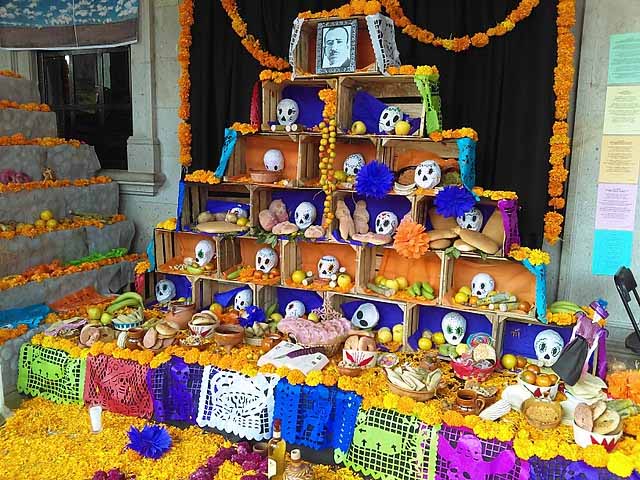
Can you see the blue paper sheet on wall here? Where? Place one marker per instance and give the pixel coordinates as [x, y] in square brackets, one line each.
[611, 250]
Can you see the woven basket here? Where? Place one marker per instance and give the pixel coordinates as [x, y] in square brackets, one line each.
[421, 396]
[555, 410]
[265, 176]
[329, 349]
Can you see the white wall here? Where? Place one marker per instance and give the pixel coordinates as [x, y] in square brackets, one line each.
[576, 282]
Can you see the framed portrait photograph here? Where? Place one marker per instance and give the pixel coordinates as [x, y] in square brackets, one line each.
[336, 46]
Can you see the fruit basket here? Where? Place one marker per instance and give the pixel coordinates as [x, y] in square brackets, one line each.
[540, 391]
[471, 371]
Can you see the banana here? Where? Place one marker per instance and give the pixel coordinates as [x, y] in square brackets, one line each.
[426, 286]
[194, 270]
[127, 302]
[126, 295]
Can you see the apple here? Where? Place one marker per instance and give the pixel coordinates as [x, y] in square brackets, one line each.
[358, 128]
[106, 318]
[344, 280]
[403, 127]
[94, 313]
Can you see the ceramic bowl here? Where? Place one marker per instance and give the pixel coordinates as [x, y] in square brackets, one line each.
[584, 438]
[265, 176]
[204, 331]
[228, 336]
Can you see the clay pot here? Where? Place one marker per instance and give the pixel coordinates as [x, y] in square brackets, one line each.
[270, 341]
[228, 336]
[134, 338]
[181, 313]
[468, 402]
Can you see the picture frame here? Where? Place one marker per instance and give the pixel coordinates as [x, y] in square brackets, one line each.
[336, 42]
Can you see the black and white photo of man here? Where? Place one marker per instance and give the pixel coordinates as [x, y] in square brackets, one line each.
[335, 47]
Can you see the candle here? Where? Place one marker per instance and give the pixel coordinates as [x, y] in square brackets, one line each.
[95, 414]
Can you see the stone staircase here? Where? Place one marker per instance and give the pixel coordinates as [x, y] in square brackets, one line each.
[68, 162]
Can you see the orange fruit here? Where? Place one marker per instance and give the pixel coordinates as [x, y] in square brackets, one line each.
[508, 361]
[543, 380]
[533, 368]
[529, 377]
[554, 378]
[521, 362]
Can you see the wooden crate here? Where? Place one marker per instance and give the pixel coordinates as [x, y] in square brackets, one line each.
[387, 262]
[399, 153]
[397, 90]
[240, 251]
[204, 290]
[305, 256]
[309, 169]
[197, 195]
[510, 276]
[305, 51]
[249, 151]
[261, 198]
[171, 248]
[272, 94]
[425, 317]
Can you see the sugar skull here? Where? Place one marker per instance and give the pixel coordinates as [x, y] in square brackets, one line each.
[165, 291]
[204, 252]
[328, 265]
[388, 119]
[240, 212]
[243, 299]
[482, 284]
[366, 316]
[386, 223]
[471, 220]
[273, 160]
[548, 346]
[287, 111]
[266, 259]
[295, 309]
[305, 215]
[454, 326]
[353, 163]
[428, 174]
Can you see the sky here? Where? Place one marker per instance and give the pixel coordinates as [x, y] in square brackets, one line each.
[50, 13]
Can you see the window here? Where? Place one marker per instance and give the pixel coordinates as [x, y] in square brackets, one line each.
[90, 92]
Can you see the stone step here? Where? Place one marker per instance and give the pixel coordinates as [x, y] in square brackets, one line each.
[19, 90]
[20, 253]
[9, 352]
[106, 280]
[31, 124]
[67, 161]
[26, 205]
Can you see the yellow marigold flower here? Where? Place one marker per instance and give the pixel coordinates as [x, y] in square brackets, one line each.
[406, 405]
[390, 401]
[619, 464]
[329, 379]
[453, 418]
[313, 378]
[595, 455]
[295, 377]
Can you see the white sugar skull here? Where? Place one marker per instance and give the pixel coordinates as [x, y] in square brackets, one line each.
[273, 160]
[305, 215]
[482, 284]
[428, 174]
[165, 291]
[454, 326]
[388, 119]
[266, 259]
[295, 309]
[243, 299]
[353, 163]
[204, 252]
[327, 266]
[386, 223]
[471, 220]
[287, 111]
[548, 346]
[366, 316]
[239, 212]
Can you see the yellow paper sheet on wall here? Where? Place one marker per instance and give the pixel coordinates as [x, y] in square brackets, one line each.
[619, 159]
[622, 110]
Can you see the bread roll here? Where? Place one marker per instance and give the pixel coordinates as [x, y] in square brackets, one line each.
[478, 240]
[440, 244]
[439, 222]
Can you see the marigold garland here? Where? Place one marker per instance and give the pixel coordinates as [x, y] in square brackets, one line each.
[275, 77]
[426, 70]
[202, 176]
[561, 318]
[535, 255]
[495, 195]
[20, 139]
[29, 107]
[81, 182]
[141, 267]
[7, 334]
[250, 43]
[185, 18]
[560, 143]
[10, 73]
[55, 269]
[244, 128]
[355, 7]
[32, 231]
[463, 132]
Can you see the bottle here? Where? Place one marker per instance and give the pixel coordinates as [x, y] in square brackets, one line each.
[297, 469]
[277, 450]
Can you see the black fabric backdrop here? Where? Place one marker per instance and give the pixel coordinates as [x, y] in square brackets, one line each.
[504, 90]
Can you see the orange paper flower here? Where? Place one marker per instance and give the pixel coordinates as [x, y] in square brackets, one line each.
[411, 241]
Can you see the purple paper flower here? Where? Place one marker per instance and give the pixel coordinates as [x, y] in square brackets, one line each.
[454, 201]
[100, 475]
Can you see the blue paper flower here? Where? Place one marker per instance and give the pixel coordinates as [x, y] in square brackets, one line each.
[252, 314]
[454, 201]
[152, 441]
[374, 180]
